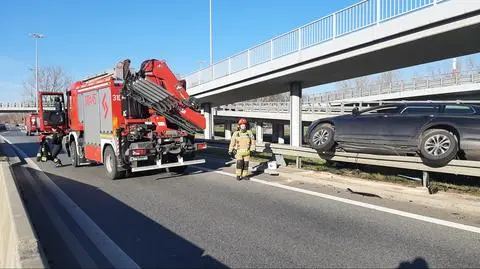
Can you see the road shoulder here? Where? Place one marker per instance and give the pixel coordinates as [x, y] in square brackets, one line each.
[460, 208]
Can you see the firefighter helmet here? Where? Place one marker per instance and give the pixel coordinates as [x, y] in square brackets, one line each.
[242, 121]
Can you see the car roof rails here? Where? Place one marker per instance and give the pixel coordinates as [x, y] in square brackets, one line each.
[387, 102]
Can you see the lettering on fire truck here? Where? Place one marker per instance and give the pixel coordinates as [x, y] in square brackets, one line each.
[90, 100]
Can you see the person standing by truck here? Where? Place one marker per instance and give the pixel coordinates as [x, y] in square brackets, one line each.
[241, 146]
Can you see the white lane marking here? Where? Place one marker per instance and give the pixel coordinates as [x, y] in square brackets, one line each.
[450, 224]
[115, 255]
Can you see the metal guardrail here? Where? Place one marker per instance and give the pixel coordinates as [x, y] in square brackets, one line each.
[456, 167]
[366, 13]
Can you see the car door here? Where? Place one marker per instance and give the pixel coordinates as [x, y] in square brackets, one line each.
[368, 127]
[403, 127]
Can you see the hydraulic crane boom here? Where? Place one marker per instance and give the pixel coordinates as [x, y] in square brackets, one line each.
[155, 86]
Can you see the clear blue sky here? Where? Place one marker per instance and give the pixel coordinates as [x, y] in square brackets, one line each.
[87, 37]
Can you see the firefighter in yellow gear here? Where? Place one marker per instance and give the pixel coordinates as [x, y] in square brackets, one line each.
[241, 146]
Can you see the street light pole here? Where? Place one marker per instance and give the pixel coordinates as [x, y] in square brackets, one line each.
[36, 36]
[211, 46]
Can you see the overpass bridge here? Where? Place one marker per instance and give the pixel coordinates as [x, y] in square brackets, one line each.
[349, 43]
[352, 42]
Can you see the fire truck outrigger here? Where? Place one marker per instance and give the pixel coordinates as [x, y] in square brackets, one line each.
[133, 121]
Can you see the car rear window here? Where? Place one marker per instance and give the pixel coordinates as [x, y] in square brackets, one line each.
[458, 110]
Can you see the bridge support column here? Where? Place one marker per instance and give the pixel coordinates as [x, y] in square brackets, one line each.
[207, 113]
[228, 130]
[259, 133]
[296, 114]
[278, 133]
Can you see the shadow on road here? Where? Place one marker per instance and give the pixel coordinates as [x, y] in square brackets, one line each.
[147, 242]
[30, 149]
[415, 264]
[162, 174]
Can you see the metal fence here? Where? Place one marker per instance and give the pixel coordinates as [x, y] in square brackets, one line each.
[348, 20]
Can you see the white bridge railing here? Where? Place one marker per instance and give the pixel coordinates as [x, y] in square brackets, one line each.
[16, 105]
[23, 105]
[364, 14]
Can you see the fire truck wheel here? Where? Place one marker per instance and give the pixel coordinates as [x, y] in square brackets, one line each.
[110, 162]
[74, 154]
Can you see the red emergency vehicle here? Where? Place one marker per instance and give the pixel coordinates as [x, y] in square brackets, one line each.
[30, 121]
[133, 121]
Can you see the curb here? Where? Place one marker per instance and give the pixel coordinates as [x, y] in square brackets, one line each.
[19, 245]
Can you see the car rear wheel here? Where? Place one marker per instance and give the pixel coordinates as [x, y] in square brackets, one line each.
[321, 138]
[438, 147]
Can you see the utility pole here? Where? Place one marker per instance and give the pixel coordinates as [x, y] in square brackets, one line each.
[211, 42]
[36, 36]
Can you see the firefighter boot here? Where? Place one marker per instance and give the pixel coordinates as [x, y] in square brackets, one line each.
[39, 156]
[57, 162]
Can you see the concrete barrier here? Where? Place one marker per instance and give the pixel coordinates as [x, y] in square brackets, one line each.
[19, 246]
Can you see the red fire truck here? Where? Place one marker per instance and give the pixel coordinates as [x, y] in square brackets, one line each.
[133, 121]
[30, 121]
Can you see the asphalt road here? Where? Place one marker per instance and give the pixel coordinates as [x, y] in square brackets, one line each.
[207, 219]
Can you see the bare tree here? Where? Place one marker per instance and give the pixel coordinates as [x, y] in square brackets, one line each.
[344, 85]
[355, 83]
[14, 118]
[387, 78]
[470, 63]
[362, 82]
[50, 79]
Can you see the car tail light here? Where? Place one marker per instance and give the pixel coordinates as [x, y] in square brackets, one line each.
[139, 152]
[201, 146]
